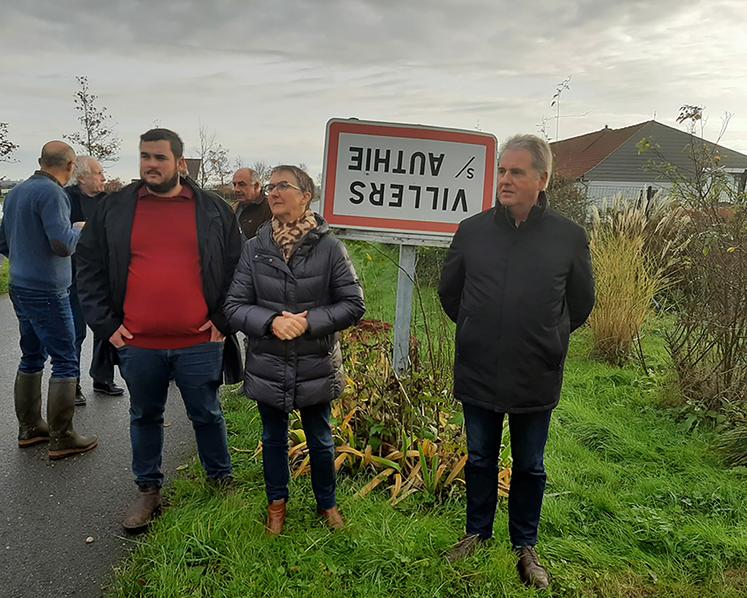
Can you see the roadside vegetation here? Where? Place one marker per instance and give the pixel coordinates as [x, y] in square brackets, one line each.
[638, 501]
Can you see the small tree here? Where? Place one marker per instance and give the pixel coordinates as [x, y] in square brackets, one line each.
[97, 137]
[215, 161]
[7, 147]
[567, 198]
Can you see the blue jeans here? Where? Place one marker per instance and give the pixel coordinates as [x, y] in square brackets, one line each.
[46, 324]
[315, 420]
[528, 439]
[197, 371]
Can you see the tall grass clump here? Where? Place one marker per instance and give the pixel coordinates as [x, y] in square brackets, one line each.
[628, 275]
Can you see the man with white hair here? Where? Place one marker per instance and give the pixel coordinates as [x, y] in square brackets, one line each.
[251, 208]
[517, 281]
[86, 190]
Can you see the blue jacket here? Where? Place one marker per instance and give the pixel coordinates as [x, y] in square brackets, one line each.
[36, 234]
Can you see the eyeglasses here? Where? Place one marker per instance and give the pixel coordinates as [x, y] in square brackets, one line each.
[281, 186]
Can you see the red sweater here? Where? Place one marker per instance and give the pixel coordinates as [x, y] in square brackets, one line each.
[164, 302]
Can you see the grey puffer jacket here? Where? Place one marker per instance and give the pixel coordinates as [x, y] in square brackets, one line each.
[319, 278]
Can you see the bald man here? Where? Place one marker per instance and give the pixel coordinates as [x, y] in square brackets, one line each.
[251, 207]
[37, 237]
[85, 192]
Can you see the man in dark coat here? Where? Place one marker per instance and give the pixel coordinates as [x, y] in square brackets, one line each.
[154, 264]
[85, 193]
[517, 281]
[251, 207]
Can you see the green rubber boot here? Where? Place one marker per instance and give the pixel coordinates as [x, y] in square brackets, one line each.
[63, 440]
[32, 429]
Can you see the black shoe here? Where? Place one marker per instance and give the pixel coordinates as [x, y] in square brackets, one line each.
[80, 398]
[108, 388]
[226, 483]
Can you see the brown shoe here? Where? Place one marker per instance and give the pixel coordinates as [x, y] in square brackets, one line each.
[146, 507]
[332, 518]
[464, 548]
[275, 517]
[531, 572]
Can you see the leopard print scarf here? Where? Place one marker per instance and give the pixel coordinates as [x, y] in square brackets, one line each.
[288, 235]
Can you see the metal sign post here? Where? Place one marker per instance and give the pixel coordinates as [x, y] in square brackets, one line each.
[403, 313]
[409, 185]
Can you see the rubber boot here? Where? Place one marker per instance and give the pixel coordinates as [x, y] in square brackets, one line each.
[32, 429]
[63, 440]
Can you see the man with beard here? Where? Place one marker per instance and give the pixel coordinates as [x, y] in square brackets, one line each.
[252, 209]
[154, 266]
[86, 191]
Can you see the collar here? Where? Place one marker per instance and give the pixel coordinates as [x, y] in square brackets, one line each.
[538, 210]
[186, 193]
[46, 174]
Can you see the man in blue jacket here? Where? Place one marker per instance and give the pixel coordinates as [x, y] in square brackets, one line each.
[517, 281]
[38, 239]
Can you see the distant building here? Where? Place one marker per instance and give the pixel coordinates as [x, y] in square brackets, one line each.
[608, 163]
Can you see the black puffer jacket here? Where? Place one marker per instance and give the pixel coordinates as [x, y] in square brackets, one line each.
[319, 278]
[515, 294]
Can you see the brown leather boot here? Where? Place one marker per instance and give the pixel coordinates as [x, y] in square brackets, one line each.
[146, 507]
[531, 572]
[332, 518]
[276, 517]
[63, 440]
[32, 429]
[464, 548]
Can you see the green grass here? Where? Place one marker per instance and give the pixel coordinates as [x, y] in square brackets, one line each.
[636, 505]
[4, 269]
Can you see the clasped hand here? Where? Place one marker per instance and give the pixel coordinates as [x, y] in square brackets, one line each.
[288, 326]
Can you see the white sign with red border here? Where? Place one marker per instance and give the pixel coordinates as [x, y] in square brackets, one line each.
[401, 179]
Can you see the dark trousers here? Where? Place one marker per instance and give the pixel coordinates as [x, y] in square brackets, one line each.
[102, 367]
[528, 439]
[45, 322]
[197, 371]
[315, 420]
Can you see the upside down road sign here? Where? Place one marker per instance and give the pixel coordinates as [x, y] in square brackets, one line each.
[397, 178]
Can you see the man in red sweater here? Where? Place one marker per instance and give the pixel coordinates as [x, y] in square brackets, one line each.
[153, 270]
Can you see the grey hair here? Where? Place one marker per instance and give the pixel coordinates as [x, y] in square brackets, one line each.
[538, 148]
[82, 168]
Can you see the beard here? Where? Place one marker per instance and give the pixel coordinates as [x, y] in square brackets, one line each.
[166, 186]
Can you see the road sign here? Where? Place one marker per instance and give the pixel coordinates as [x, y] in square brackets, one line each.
[414, 180]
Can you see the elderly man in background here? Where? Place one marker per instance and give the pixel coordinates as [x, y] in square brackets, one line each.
[85, 192]
[37, 237]
[251, 207]
[517, 281]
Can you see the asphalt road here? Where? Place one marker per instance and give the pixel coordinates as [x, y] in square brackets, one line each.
[48, 509]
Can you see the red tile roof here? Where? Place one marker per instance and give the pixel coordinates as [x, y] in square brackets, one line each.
[574, 157]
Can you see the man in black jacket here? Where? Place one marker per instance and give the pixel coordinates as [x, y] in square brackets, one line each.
[154, 266]
[86, 190]
[517, 281]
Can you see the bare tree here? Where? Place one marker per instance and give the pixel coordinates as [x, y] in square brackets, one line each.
[215, 161]
[7, 147]
[97, 137]
[263, 170]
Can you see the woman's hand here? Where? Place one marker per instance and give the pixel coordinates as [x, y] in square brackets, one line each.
[288, 326]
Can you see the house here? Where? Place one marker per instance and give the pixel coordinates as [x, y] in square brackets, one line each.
[608, 162]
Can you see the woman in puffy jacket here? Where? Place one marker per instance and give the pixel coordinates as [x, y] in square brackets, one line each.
[293, 291]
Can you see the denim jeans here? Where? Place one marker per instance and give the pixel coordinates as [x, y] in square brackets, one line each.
[528, 439]
[315, 421]
[46, 325]
[197, 371]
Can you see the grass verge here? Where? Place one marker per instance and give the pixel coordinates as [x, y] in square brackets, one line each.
[636, 505]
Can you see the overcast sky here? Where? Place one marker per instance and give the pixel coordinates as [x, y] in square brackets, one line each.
[266, 76]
